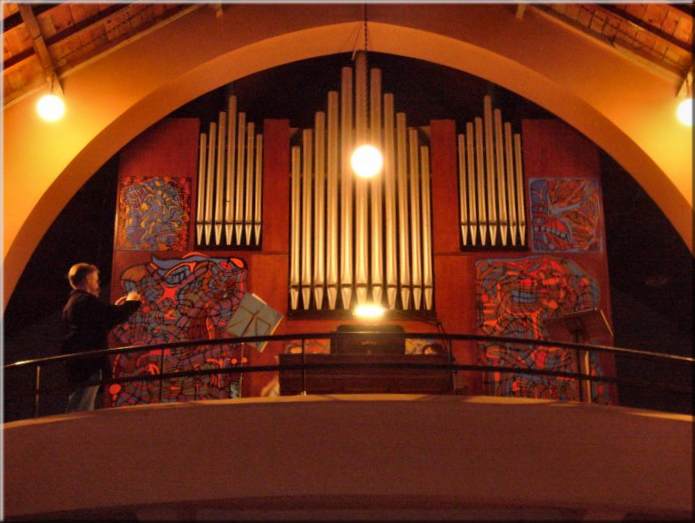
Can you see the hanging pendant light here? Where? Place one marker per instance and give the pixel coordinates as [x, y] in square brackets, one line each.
[366, 161]
[684, 110]
[51, 106]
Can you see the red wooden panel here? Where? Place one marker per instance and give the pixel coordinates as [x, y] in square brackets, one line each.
[168, 149]
[552, 148]
[445, 222]
[276, 186]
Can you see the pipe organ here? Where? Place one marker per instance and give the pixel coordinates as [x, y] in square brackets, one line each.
[356, 240]
[230, 171]
[491, 183]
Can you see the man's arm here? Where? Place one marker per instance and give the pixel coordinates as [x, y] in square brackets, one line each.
[97, 313]
[123, 308]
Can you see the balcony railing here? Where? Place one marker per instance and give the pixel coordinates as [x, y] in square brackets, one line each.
[681, 387]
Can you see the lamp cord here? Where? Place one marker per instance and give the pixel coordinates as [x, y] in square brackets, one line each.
[365, 29]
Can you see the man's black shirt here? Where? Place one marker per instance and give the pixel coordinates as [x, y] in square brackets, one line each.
[88, 321]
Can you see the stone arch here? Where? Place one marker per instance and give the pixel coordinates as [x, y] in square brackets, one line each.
[108, 119]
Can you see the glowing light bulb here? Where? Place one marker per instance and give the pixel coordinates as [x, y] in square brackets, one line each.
[50, 107]
[366, 161]
[685, 112]
[369, 311]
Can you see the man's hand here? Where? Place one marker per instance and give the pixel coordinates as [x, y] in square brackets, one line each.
[133, 296]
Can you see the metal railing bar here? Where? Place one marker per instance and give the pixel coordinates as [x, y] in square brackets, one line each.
[62, 391]
[323, 335]
[432, 366]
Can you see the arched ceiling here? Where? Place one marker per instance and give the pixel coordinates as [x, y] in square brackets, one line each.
[113, 98]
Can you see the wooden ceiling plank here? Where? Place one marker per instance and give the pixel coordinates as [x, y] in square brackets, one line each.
[8, 9]
[86, 22]
[642, 25]
[62, 18]
[68, 32]
[683, 8]
[16, 19]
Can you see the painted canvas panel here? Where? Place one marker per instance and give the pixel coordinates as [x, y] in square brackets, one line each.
[154, 214]
[183, 299]
[514, 298]
[565, 214]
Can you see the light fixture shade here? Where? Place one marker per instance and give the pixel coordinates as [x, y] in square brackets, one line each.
[369, 311]
[685, 112]
[366, 161]
[50, 107]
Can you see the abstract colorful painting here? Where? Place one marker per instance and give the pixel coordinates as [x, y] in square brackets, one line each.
[153, 214]
[514, 298]
[182, 299]
[565, 215]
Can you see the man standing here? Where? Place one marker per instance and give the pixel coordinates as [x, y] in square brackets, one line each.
[88, 321]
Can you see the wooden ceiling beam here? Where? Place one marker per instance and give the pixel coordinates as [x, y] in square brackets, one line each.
[520, 9]
[17, 58]
[40, 48]
[685, 89]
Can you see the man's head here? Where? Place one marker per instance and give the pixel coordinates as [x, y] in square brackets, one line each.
[84, 276]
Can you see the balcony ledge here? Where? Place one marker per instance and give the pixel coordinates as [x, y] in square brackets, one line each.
[380, 454]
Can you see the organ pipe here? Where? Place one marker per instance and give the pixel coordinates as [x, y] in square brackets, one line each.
[520, 188]
[511, 191]
[415, 234]
[319, 208]
[295, 227]
[231, 173]
[200, 206]
[501, 180]
[346, 138]
[390, 204]
[219, 177]
[209, 182]
[403, 239]
[258, 191]
[375, 131]
[463, 184]
[470, 168]
[427, 274]
[480, 176]
[248, 193]
[239, 200]
[361, 202]
[332, 201]
[490, 170]
[307, 179]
